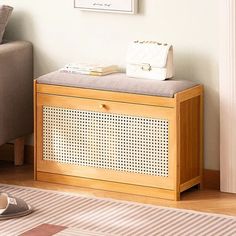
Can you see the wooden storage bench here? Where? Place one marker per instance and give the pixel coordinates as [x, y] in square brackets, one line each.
[121, 134]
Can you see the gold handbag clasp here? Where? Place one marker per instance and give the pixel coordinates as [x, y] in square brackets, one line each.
[146, 67]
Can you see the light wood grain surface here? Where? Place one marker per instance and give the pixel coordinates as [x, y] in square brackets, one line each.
[183, 112]
[205, 200]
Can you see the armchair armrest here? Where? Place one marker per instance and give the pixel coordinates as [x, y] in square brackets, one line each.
[16, 90]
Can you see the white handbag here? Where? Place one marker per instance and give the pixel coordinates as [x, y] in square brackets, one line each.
[150, 60]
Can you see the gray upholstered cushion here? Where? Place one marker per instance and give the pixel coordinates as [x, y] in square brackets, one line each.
[16, 83]
[117, 82]
[5, 12]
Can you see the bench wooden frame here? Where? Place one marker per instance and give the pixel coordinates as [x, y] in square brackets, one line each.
[185, 115]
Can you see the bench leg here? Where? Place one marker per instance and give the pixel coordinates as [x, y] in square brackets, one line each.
[19, 151]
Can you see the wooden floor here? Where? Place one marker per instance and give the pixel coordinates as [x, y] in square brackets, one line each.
[204, 200]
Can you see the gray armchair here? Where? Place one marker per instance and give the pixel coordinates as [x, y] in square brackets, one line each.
[16, 94]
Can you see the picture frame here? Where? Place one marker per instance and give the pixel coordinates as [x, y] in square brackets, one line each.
[113, 6]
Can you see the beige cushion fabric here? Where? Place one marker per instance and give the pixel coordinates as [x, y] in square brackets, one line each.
[118, 82]
[5, 12]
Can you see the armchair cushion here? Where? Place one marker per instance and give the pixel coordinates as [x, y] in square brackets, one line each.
[5, 12]
[16, 90]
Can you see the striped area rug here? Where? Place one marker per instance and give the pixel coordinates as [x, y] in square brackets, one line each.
[98, 216]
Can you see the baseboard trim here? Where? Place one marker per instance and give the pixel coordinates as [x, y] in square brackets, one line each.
[7, 153]
[211, 178]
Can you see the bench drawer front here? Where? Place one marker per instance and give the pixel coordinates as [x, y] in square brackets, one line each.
[106, 140]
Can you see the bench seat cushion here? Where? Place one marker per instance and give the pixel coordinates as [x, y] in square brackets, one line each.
[118, 82]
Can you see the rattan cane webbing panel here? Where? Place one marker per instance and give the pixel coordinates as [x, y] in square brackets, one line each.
[104, 140]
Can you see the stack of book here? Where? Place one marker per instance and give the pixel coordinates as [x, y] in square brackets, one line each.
[90, 69]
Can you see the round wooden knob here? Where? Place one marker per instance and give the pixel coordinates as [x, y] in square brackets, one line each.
[102, 106]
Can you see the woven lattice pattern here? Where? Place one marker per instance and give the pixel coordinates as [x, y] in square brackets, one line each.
[103, 140]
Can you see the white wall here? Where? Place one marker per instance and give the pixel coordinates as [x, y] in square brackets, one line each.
[62, 34]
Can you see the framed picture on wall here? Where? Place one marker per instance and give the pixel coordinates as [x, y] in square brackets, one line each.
[116, 6]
